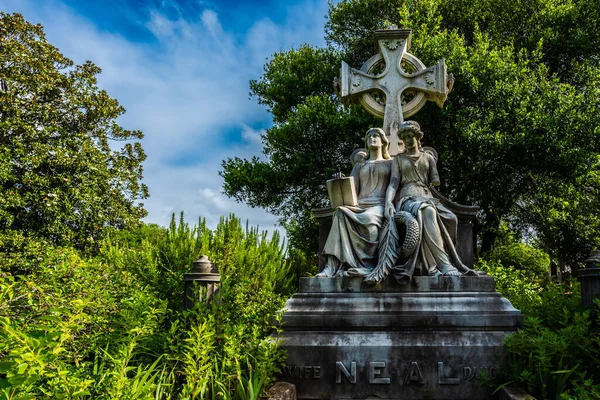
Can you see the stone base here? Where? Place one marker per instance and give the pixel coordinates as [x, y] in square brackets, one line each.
[432, 339]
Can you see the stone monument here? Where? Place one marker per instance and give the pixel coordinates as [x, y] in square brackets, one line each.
[397, 312]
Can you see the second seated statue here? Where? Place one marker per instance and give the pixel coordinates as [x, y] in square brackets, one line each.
[408, 198]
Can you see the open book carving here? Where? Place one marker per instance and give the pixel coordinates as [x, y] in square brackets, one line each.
[342, 192]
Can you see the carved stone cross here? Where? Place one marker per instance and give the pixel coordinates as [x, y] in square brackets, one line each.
[395, 72]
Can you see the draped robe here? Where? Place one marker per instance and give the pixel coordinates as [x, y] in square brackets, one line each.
[436, 253]
[353, 239]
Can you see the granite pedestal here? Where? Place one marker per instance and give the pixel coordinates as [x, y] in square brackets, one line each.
[432, 339]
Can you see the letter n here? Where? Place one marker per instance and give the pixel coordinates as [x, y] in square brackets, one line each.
[341, 369]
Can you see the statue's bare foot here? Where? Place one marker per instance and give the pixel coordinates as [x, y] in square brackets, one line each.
[353, 272]
[327, 272]
[473, 272]
[453, 273]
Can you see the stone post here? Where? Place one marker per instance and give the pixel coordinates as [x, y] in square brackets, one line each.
[201, 283]
[589, 277]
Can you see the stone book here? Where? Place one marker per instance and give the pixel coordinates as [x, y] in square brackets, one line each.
[342, 192]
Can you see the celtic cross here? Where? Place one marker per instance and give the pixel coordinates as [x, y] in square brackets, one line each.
[395, 72]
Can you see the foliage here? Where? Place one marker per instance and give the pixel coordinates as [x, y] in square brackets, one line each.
[515, 285]
[556, 354]
[557, 359]
[60, 180]
[59, 320]
[112, 326]
[518, 135]
[523, 257]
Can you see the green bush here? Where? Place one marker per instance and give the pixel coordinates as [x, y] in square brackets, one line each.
[556, 355]
[113, 327]
[523, 257]
[515, 285]
[57, 320]
[560, 361]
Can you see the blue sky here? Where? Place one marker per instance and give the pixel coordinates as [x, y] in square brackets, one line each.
[181, 68]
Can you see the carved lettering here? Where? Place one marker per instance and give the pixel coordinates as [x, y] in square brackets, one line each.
[413, 374]
[289, 370]
[302, 371]
[306, 372]
[444, 380]
[470, 373]
[340, 369]
[375, 369]
[482, 371]
[493, 372]
[316, 372]
[376, 373]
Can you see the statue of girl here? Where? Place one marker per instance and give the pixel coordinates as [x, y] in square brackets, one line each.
[352, 244]
[409, 195]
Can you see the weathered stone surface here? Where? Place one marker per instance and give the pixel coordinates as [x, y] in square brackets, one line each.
[418, 284]
[281, 391]
[428, 340]
[355, 365]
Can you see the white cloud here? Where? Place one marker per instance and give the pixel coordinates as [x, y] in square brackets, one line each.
[212, 24]
[252, 136]
[184, 93]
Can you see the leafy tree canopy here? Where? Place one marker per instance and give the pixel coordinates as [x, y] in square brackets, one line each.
[519, 135]
[60, 180]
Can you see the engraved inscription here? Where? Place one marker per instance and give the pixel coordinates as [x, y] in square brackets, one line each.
[317, 372]
[340, 369]
[443, 379]
[376, 369]
[307, 372]
[413, 374]
[470, 373]
[384, 373]
[302, 371]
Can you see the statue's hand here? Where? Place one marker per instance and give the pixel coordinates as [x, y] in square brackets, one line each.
[389, 210]
[338, 175]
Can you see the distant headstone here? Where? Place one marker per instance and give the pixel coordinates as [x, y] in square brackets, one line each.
[590, 279]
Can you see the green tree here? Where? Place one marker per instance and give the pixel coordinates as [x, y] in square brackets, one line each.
[518, 135]
[60, 180]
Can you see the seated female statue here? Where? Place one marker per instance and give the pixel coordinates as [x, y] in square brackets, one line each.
[352, 244]
[413, 172]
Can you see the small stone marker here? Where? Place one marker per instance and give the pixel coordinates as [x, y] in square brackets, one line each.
[431, 83]
[201, 283]
[589, 277]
